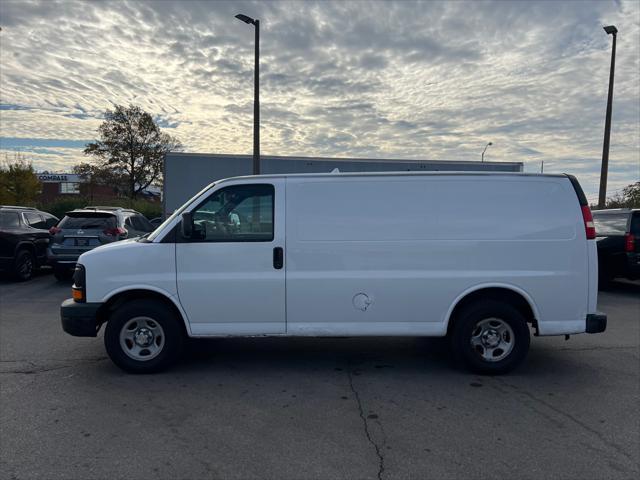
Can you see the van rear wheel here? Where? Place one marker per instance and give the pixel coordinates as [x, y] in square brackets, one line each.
[143, 336]
[490, 337]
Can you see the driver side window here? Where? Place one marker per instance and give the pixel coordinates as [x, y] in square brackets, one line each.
[240, 213]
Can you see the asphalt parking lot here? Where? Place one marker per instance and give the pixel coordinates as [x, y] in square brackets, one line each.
[314, 408]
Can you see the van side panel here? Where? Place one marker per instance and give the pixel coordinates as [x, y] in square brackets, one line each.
[385, 256]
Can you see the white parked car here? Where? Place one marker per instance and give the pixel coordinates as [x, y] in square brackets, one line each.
[480, 258]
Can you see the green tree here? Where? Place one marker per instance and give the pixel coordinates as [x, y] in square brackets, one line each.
[19, 184]
[131, 148]
[628, 198]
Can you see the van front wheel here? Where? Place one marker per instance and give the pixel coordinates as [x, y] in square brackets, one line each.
[490, 337]
[143, 336]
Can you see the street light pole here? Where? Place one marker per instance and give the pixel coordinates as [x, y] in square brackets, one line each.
[256, 103]
[485, 149]
[256, 92]
[602, 196]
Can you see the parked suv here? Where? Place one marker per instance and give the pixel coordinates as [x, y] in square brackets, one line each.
[86, 228]
[618, 240]
[23, 239]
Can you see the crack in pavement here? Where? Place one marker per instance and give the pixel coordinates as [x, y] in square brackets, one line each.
[617, 448]
[366, 426]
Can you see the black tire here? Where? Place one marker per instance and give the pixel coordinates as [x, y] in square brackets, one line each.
[475, 319]
[24, 265]
[63, 274]
[156, 313]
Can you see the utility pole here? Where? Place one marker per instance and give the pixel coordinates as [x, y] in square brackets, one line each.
[602, 196]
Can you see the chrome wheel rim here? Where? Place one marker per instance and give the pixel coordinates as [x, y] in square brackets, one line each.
[492, 339]
[142, 338]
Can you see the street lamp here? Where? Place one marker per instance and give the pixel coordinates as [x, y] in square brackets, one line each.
[485, 149]
[602, 196]
[256, 94]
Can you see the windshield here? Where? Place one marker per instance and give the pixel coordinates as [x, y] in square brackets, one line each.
[152, 236]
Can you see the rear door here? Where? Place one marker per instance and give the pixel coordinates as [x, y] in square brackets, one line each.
[231, 279]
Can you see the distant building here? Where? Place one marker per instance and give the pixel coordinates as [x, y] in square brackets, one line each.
[69, 185]
[187, 173]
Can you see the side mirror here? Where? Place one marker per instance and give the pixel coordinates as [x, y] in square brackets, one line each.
[187, 224]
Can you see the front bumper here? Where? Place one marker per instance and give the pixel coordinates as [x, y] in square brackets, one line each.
[80, 319]
[596, 323]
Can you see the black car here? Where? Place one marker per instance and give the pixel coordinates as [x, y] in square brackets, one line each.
[85, 228]
[24, 236]
[618, 240]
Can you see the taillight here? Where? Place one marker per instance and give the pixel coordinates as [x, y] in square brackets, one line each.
[589, 226]
[114, 231]
[629, 242]
[54, 230]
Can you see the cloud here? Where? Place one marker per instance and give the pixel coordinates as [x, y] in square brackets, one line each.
[424, 80]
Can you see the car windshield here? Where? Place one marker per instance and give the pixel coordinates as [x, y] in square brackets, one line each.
[92, 222]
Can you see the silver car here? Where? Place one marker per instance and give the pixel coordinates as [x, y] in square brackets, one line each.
[86, 228]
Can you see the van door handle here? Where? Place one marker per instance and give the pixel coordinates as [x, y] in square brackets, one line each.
[278, 258]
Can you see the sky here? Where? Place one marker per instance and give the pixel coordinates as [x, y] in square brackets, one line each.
[381, 79]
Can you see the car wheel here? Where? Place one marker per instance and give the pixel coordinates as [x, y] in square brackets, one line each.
[143, 336]
[490, 337]
[63, 274]
[24, 265]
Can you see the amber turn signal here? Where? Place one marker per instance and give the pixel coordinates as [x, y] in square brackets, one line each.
[77, 294]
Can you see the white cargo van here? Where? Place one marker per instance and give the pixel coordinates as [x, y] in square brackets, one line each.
[481, 258]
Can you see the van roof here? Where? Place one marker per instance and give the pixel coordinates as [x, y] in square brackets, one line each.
[396, 174]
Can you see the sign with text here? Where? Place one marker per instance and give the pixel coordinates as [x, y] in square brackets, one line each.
[59, 177]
